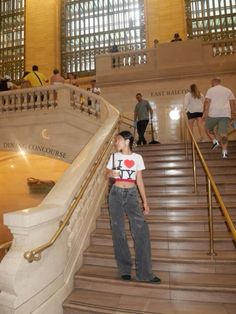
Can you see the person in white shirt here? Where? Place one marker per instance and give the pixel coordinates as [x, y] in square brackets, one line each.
[218, 106]
[126, 168]
[193, 103]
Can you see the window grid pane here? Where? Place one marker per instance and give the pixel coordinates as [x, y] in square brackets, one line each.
[91, 27]
[12, 26]
[211, 19]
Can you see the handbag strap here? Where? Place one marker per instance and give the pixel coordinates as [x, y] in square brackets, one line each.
[38, 78]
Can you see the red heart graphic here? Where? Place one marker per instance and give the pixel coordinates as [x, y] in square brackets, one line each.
[129, 163]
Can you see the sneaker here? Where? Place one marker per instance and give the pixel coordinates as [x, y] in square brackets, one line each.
[215, 145]
[225, 155]
[126, 277]
[155, 280]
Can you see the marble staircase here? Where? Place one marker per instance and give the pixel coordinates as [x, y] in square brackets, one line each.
[192, 281]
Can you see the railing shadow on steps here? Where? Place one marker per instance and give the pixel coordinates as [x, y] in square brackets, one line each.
[72, 205]
[211, 187]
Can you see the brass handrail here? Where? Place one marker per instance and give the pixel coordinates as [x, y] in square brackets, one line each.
[35, 254]
[211, 186]
[6, 245]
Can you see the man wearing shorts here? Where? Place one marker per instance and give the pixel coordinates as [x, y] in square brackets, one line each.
[218, 106]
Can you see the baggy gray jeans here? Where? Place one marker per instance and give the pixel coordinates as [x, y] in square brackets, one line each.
[125, 202]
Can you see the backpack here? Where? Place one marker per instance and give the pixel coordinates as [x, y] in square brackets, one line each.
[3, 85]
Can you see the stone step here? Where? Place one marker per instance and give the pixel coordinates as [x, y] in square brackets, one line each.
[104, 237]
[176, 147]
[187, 180]
[188, 172]
[174, 224]
[185, 286]
[183, 164]
[196, 261]
[80, 301]
[182, 211]
[209, 157]
[172, 190]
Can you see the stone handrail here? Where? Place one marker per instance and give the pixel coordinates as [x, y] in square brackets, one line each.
[49, 97]
[42, 286]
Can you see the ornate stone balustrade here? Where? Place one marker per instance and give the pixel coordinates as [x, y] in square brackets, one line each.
[132, 58]
[49, 97]
[43, 285]
[224, 47]
[168, 60]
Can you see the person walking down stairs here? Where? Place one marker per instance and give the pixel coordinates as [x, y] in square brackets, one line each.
[126, 168]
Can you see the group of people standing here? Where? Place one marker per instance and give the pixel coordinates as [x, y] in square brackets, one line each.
[213, 112]
[36, 78]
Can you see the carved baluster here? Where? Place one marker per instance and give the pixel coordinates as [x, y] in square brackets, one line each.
[225, 49]
[214, 50]
[220, 50]
[2, 105]
[128, 60]
[7, 102]
[144, 58]
[119, 61]
[44, 99]
[31, 98]
[37, 103]
[18, 102]
[231, 48]
[51, 98]
[82, 102]
[124, 61]
[12, 102]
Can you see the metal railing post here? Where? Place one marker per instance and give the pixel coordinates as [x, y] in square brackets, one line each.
[194, 168]
[210, 215]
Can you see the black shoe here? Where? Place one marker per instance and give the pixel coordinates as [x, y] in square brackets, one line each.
[155, 280]
[144, 142]
[126, 277]
[139, 142]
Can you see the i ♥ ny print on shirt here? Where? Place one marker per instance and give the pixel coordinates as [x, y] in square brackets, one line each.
[127, 164]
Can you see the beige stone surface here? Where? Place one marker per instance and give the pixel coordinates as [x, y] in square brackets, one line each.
[15, 193]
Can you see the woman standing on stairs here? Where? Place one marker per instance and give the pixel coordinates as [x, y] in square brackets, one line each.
[126, 168]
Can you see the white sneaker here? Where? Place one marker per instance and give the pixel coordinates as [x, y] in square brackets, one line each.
[215, 145]
[225, 155]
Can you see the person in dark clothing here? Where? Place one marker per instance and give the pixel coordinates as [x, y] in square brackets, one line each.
[176, 38]
[141, 117]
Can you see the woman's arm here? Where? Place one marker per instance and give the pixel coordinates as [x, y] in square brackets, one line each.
[140, 184]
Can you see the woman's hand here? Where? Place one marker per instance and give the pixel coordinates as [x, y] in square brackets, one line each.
[146, 209]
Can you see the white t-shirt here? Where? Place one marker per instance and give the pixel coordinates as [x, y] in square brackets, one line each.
[219, 101]
[193, 104]
[127, 164]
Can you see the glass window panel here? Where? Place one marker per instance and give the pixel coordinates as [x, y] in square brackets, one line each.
[12, 18]
[105, 23]
[207, 17]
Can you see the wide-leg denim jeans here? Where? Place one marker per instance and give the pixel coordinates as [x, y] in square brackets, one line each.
[125, 202]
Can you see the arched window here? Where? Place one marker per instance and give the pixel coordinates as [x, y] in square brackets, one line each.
[12, 38]
[211, 19]
[91, 27]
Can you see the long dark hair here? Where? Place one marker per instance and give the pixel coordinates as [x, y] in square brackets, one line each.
[127, 136]
[195, 91]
